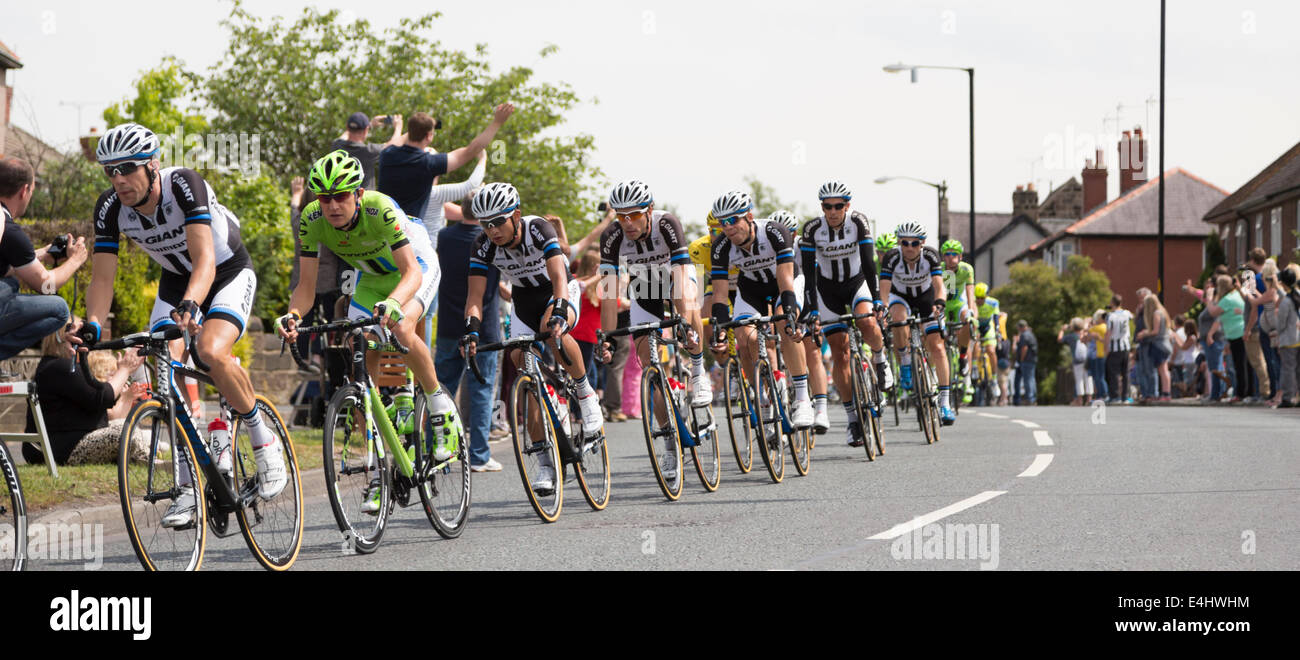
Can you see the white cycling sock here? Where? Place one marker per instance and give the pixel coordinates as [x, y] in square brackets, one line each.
[258, 435]
[877, 357]
[943, 397]
[697, 365]
[584, 388]
[848, 410]
[439, 402]
[800, 388]
[819, 404]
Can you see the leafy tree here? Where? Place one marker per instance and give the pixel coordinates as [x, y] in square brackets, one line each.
[67, 189]
[767, 202]
[294, 84]
[157, 93]
[263, 211]
[1215, 256]
[1046, 300]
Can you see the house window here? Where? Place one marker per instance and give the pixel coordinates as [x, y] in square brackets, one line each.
[1275, 231]
[1259, 230]
[1067, 249]
[1241, 242]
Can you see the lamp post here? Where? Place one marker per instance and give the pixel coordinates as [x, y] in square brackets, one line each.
[942, 187]
[970, 71]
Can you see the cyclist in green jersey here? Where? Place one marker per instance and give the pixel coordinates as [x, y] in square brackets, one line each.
[959, 281]
[397, 274]
[988, 309]
[884, 244]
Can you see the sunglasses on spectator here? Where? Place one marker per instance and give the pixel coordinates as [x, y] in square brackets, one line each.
[911, 243]
[833, 207]
[336, 198]
[498, 221]
[125, 169]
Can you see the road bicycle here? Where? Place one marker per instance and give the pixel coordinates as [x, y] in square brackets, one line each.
[893, 392]
[161, 455]
[546, 428]
[362, 450]
[867, 397]
[672, 423]
[952, 344]
[925, 393]
[13, 515]
[770, 406]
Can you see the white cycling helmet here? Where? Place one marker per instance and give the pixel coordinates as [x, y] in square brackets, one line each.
[127, 142]
[630, 194]
[834, 189]
[786, 218]
[495, 200]
[732, 203]
[910, 230]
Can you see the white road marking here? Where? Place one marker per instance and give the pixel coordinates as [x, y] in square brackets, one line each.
[921, 521]
[1043, 439]
[991, 415]
[1028, 425]
[1036, 468]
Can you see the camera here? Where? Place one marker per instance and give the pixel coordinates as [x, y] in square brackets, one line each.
[603, 207]
[58, 247]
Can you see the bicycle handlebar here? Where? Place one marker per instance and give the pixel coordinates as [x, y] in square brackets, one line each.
[754, 320]
[653, 325]
[502, 346]
[386, 337]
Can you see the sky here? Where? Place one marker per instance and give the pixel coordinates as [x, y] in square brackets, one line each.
[694, 96]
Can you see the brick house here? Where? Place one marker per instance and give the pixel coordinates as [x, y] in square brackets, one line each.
[8, 60]
[1121, 237]
[1265, 212]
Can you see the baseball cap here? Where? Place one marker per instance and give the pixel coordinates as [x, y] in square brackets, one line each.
[358, 121]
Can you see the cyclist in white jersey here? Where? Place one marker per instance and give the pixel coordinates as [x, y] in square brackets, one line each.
[911, 279]
[527, 253]
[763, 251]
[207, 279]
[840, 275]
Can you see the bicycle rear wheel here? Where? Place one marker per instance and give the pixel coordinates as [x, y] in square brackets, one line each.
[444, 486]
[769, 423]
[536, 449]
[152, 464]
[927, 411]
[592, 468]
[738, 415]
[13, 515]
[353, 467]
[706, 453]
[800, 441]
[272, 528]
[661, 438]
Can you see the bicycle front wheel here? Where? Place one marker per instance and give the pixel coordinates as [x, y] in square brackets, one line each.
[444, 486]
[536, 449]
[592, 468]
[354, 470]
[706, 453]
[769, 429]
[658, 419]
[154, 470]
[927, 409]
[271, 527]
[739, 424]
[13, 514]
[867, 423]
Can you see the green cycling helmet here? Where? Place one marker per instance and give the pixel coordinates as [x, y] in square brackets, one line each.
[953, 245]
[336, 173]
[887, 242]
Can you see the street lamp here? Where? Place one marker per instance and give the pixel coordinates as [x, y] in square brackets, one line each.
[970, 71]
[942, 187]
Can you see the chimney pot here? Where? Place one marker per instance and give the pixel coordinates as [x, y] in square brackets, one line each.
[1030, 187]
[1020, 188]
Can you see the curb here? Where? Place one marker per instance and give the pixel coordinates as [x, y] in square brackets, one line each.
[311, 481]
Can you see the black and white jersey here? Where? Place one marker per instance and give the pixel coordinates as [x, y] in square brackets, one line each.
[838, 252]
[523, 265]
[664, 244]
[186, 200]
[911, 279]
[773, 244]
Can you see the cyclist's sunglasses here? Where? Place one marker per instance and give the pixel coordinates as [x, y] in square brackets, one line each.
[727, 222]
[833, 207]
[952, 254]
[498, 221]
[631, 215]
[911, 243]
[125, 169]
[336, 198]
